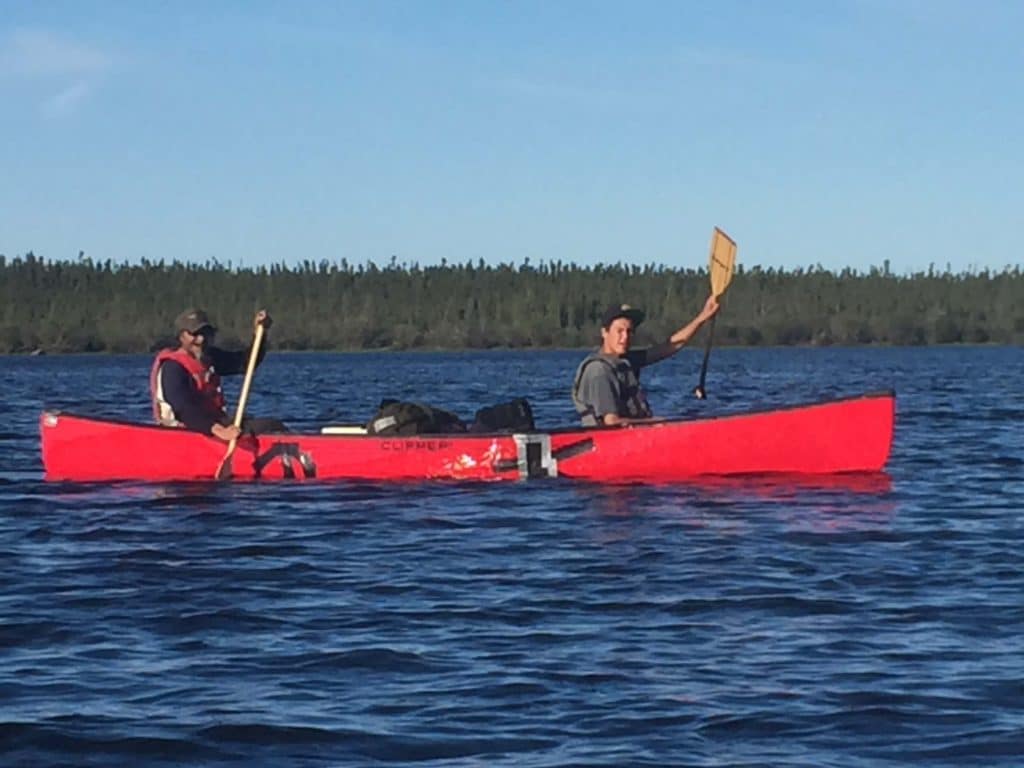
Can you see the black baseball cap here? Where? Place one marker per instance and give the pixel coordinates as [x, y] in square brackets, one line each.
[192, 320]
[616, 311]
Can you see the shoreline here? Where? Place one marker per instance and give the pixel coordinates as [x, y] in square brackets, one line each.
[499, 350]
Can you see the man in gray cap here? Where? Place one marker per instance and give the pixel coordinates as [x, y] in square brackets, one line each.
[606, 390]
[185, 381]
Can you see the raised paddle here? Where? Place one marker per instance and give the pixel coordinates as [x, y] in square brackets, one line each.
[224, 470]
[721, 265]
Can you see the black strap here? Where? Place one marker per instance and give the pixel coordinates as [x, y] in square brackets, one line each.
[287, 452]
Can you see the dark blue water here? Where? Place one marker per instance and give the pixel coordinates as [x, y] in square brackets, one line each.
[538, 624]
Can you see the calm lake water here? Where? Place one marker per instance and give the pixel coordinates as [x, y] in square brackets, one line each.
[537, 624]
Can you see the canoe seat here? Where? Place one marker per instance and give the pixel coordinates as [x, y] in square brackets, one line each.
[343, 429]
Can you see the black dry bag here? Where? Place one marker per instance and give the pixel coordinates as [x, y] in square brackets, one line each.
[394, 417]
[513, 416]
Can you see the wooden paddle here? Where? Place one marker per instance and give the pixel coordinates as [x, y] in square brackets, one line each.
[224, 470]
[721, 265]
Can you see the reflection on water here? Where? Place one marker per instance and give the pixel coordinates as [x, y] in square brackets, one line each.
[824, 502]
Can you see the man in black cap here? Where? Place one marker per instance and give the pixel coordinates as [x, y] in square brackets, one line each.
[606, 390]
[185, 381]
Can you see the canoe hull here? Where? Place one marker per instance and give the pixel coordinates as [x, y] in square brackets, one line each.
[849, 435]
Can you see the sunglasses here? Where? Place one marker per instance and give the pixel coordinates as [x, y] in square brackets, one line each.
[206, 331]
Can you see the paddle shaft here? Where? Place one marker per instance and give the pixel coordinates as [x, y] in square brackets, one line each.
[700, 392]
[224, 470]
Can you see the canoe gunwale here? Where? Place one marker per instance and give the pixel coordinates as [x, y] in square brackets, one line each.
[876, 394]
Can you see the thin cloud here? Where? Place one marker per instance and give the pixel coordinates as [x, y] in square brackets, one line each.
[39, 53]
[65, 71]
[67, 101]
[557, 91]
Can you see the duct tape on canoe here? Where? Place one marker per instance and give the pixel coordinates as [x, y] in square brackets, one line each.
[533, 455]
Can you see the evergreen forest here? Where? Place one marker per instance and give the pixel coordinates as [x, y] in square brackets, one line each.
[89, 306]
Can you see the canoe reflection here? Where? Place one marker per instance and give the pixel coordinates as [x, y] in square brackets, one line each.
[809, 502]
[772, 484]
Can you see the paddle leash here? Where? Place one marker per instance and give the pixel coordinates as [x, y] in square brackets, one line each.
[224, 470]
[721, 265]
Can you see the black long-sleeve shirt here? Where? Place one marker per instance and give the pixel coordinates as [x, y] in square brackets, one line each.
[180, 392]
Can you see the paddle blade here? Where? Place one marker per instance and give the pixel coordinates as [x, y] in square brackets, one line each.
[224, 470]
[722, 262]
[721, 265]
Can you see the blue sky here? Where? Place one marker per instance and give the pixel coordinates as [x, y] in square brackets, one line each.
[841, 133]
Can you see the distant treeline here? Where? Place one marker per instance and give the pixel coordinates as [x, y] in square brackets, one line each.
[88, 306]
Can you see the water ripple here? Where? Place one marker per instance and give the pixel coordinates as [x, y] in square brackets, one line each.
[751, 622]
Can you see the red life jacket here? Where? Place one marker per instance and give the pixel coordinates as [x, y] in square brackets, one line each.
[205, 381]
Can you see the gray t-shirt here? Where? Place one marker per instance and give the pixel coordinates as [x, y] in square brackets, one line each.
[610, 384]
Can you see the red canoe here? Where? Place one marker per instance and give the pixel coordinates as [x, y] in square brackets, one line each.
[849, 435]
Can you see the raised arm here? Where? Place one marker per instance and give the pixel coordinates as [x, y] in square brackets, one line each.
[680, 338]
[233, 362]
